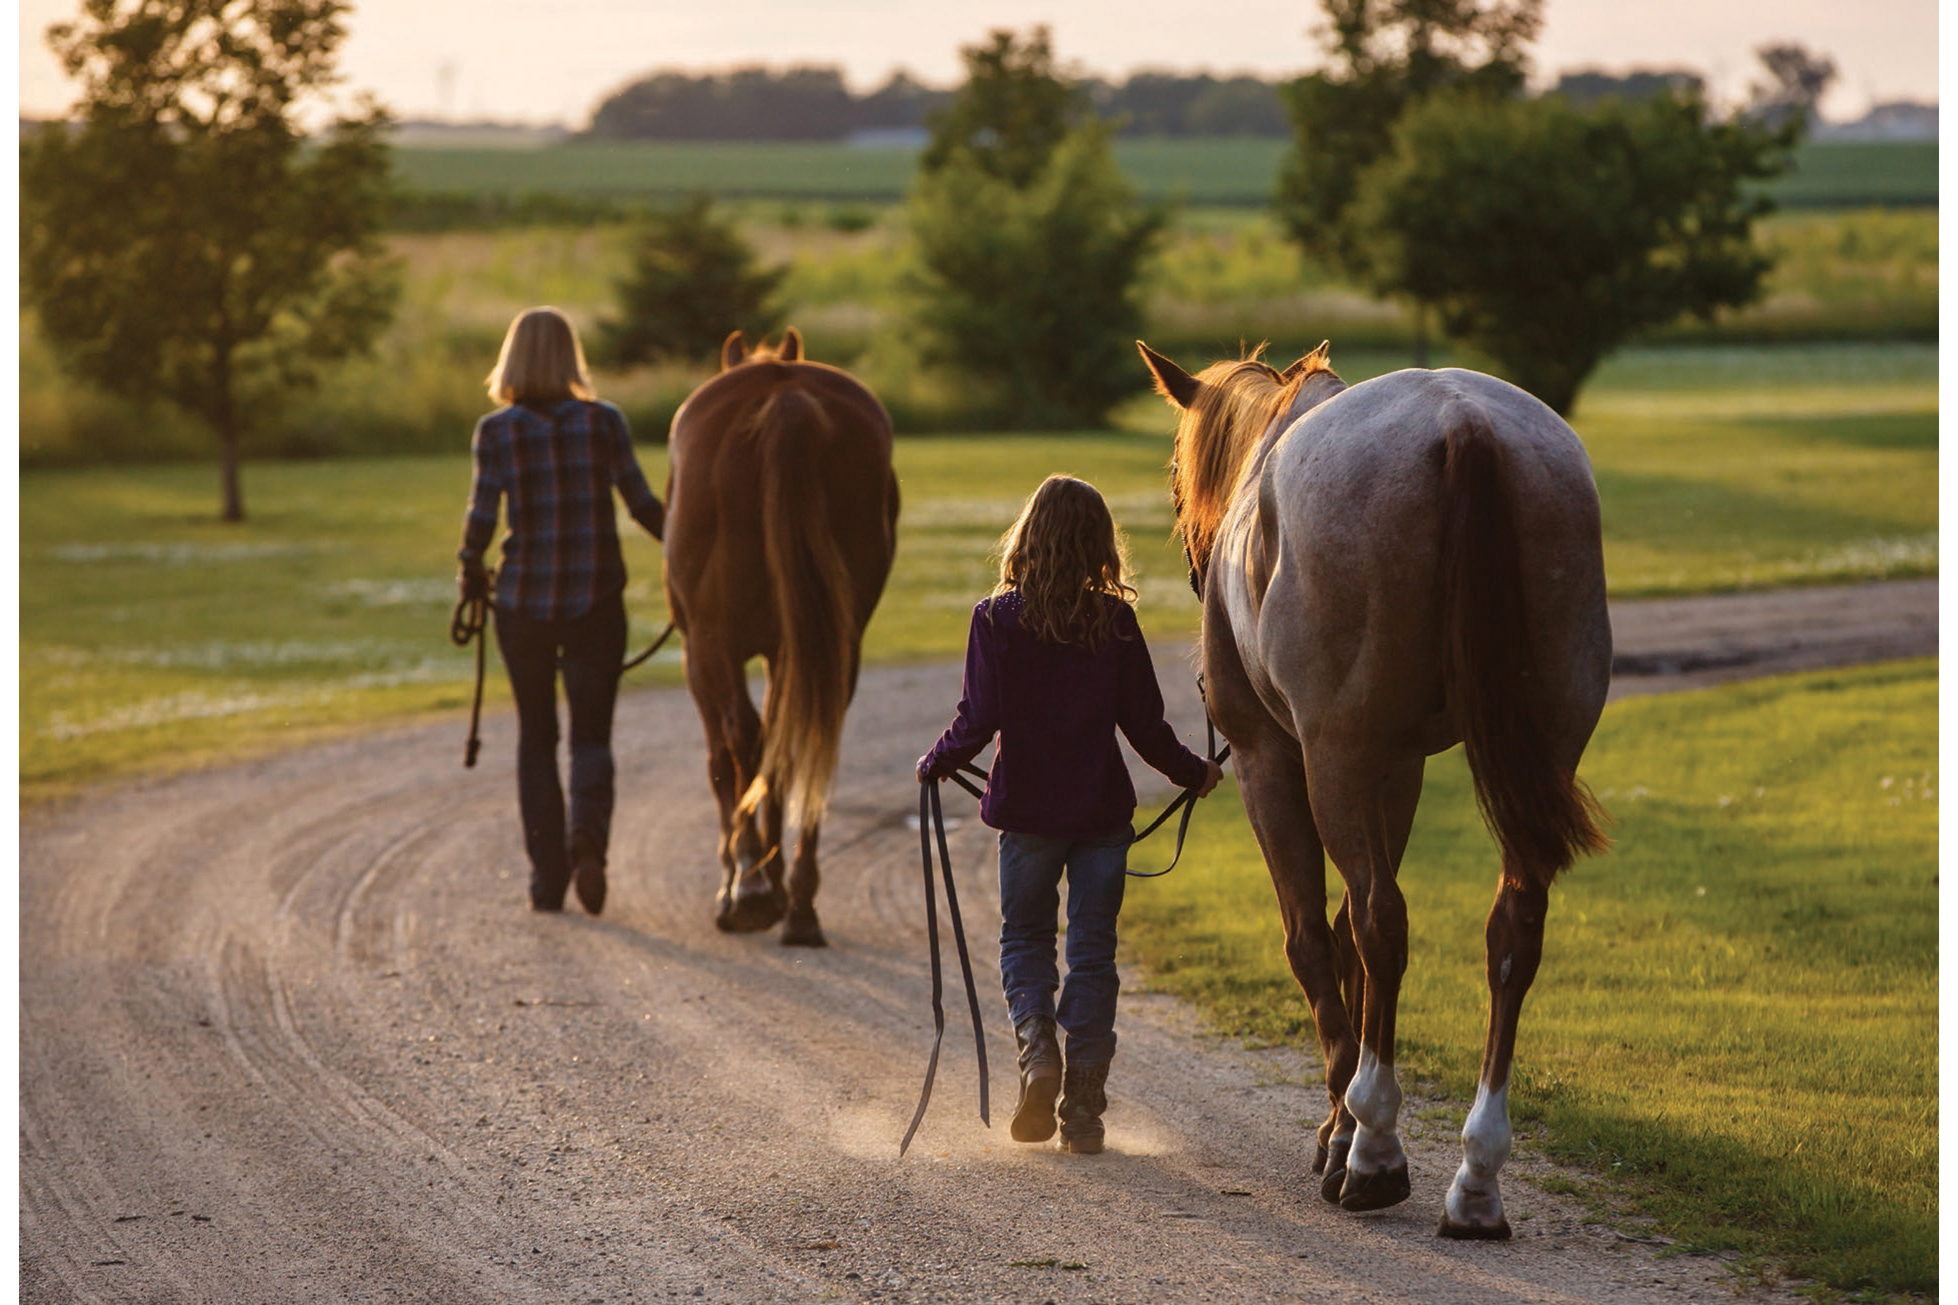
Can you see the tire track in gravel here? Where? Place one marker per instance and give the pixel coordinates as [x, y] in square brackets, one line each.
[289, 1033]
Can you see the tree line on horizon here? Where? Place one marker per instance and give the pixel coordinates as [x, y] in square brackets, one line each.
[813, 102]
[189, 243]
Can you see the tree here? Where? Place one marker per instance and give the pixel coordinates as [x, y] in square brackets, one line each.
[692, 280]
[1796, 82]
[184, 242]
[1545, 236]
[1384, 57]
[1029, 243]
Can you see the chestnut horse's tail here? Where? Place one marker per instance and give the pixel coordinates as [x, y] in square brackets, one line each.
[810, 680]
[1540, 813]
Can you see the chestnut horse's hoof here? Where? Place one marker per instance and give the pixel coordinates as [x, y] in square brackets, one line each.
[750, 914]
[803, 932]
[1474, 1232]
[1332, 1163]
[1375, 1191]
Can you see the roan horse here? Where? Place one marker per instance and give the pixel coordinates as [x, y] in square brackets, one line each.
[1387, 570]
[781, 520]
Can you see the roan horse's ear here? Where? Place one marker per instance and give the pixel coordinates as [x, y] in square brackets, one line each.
[1172, 382]
[791, 350]
[733, 350]
[1316, 361]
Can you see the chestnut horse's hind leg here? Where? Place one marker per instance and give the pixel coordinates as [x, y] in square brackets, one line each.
[801, 928]
[748, 900]
[1515, 941]
[1364, 810]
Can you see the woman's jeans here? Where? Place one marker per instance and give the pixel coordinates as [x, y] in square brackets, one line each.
[1030, 869]
[593, 647]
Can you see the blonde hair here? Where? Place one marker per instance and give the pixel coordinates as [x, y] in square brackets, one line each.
[541, 361]
[1059, 556]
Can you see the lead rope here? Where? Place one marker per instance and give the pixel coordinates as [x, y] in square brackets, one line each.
[466, 625]
[931, 820]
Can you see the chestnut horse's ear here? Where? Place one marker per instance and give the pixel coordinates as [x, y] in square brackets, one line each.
[733, 350]
[1316, 361]
[1172, 382]
[791, 350]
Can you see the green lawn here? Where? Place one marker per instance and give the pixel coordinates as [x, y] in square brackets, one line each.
[1735, 1025]
[152, 636]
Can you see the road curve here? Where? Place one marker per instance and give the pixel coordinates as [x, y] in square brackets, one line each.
[288, 1033]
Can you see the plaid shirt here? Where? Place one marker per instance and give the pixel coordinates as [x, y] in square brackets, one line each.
[556, 466]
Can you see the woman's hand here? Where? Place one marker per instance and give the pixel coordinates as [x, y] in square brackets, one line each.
[1212, 775]
[924, 769]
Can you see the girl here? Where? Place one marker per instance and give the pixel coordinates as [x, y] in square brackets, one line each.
[554, 454]
[1054, 665]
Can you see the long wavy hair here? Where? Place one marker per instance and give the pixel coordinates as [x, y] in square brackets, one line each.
[1060, 556]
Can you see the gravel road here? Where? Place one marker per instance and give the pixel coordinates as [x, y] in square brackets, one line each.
[289, 1033]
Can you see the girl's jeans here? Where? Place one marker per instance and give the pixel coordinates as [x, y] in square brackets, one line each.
[593, 647]
[1030, 869]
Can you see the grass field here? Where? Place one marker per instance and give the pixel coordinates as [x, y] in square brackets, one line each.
[1734, 1031]
[1224, 276]
[153, 636]
[1231, 170]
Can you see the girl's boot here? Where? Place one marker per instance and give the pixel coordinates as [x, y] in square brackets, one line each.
[1040, 1079]
[1082, 1101]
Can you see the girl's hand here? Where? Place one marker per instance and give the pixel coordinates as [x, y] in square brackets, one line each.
[1211, 777]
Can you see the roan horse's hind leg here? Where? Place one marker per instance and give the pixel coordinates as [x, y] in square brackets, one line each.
[1515, 942]
[1364, 807]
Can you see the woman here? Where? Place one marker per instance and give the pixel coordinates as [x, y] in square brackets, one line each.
[553, 454]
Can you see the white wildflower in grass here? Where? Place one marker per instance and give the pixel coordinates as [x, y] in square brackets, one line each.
[179, 554]
[431, 591]
[1725, 800]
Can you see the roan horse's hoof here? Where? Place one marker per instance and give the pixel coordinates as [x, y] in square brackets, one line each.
[1332, 1163]
[1374, 1191]
[1473, 1232]
[803, 933]
[749, 914]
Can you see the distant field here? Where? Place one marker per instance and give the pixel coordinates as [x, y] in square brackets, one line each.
[1237, 171]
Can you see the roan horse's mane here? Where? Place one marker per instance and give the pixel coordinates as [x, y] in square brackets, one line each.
[1235, 404]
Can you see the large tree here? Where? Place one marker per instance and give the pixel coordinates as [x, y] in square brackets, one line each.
[1029, 243]
[692, 280]
[1383, 57]
[184, 240]
[1545, 236]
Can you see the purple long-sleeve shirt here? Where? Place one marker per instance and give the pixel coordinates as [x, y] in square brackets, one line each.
[1055, 709]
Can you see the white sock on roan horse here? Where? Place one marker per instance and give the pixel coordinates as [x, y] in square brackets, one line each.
[1374, 1098]
[1475, 1200]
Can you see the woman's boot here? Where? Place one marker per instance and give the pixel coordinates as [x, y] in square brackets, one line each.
[1040, 1079]
[1082, 1101]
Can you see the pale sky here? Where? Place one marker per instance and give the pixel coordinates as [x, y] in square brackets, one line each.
[524, 60]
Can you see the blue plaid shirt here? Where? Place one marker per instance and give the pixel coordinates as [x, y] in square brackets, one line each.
[556, 467]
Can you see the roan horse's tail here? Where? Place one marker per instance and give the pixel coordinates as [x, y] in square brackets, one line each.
[1541, 815]
[815, 601]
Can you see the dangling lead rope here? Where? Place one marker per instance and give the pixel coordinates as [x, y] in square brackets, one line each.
[931, 821]
[1186, 800]
[468, 622]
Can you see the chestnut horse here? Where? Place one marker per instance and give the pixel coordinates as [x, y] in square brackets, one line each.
[1388, 570]
[781, 520]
